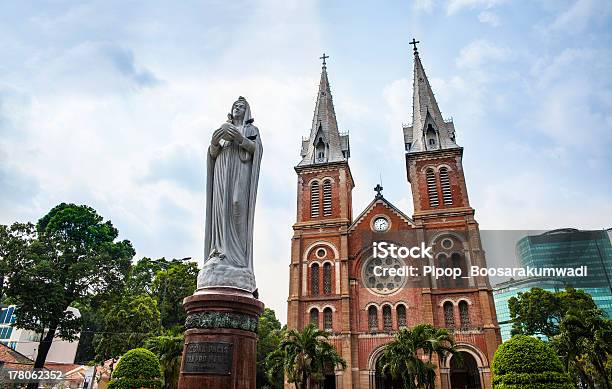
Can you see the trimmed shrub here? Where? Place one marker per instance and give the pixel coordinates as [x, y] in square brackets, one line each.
[138, 368]
[524, 362]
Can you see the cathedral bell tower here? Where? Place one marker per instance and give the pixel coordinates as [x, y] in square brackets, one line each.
[433, 158]
[319, 281]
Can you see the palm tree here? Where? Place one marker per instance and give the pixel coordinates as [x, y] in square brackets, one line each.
[402, 359]
[304, 357]
[169, 350]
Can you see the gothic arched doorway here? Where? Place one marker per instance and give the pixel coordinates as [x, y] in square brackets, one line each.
[380, 381]
[464, 374]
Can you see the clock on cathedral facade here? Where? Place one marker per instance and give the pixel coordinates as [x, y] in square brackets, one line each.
[333, 282]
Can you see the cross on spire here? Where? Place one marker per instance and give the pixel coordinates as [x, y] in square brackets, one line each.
[378, 189]
[414, 43]
[324, 57]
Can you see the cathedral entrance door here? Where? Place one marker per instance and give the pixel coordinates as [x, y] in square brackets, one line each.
[464, 375]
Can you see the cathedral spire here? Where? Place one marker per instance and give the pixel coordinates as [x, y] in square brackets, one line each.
[325, 143]
[429, 131]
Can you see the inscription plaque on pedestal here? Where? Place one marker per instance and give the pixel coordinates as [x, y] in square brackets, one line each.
[208, 358]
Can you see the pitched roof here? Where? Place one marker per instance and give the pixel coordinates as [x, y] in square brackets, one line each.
[425, 112]
[324, 129]
[380, 200]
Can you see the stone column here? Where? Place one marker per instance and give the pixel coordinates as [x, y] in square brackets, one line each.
[220, 340]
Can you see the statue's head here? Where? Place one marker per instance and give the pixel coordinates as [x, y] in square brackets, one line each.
[241, 111]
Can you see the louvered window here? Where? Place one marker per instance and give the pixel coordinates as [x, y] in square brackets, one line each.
[327, 278]
[387, 323]
[464, 315]
[372, 319]
[314, 317]
[314, 279]
[327, 319]
[327, 198]
[447, 196]
[314, 199]
[432, 191]
[401, 316]
[449, 315]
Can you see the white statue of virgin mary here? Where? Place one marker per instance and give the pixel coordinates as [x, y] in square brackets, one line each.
[233, 161]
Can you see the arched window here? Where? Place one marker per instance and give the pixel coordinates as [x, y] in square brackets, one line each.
[327, 319]
[327, 278]
[314, 279]
[464, 315]
[327, 198]
[372, 319]
[401, 316]
[432, 191]
[314, 317]
[457, 262]
[447, 196]
[314, 199]
[449, 315]
[387, 323]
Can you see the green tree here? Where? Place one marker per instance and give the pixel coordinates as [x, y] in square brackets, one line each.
[138, 368]
[525, 362]
[584, 341]
[142, 274]
[127, 324]
[172, 283]
[169, 350]
[539, 312]
[71, 255]
[270, 335]
[400, 358]
[304, 356]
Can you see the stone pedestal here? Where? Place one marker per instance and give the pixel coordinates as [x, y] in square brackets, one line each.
[220, 340]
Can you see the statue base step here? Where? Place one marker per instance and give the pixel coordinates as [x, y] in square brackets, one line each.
[220, 340]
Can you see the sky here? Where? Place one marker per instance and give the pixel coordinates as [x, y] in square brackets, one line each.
[112, 104]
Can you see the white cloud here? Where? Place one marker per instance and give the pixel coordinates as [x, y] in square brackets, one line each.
[580, 15]
[490, 18]
[482, 52]
[454, 6]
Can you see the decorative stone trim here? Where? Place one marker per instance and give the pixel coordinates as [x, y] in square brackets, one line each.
[214, 319]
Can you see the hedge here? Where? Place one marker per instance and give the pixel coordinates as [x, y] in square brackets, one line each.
[524, 362]
[138, 368]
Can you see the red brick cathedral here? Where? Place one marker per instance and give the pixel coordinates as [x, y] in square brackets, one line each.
[332, 283]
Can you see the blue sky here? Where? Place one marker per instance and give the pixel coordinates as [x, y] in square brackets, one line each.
[112, 104]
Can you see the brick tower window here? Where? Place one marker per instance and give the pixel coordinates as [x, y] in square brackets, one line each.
[314, 279]
[449, 315]
[327, 198]
[387, 322]
[327, 319]
[447, 196]
[464, 315]
[327, 278]
[432, 191]
[314, 317]
[314, 199]
[401, 316]
[372, 319]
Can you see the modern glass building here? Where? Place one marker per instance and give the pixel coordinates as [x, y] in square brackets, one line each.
[7, 318]
[563, 248]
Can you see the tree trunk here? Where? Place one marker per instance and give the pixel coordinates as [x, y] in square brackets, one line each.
[43, 350]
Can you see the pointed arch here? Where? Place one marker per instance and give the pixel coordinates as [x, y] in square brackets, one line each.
[447, 196]
[327, 197]
[315, 201]
[432, 190]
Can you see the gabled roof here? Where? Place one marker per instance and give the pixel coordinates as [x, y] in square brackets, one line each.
[325, 126]
[380, 200]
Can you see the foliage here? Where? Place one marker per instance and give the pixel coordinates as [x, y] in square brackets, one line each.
[575, 327]
[71, 255]
[400, 358]
[169, 350]
[127, 324]
[539, 312]
[305, 357]
[526, 362]
[137, 368]
[172, 283]
[270, 335]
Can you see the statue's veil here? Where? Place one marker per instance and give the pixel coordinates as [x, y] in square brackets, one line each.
[247, 113]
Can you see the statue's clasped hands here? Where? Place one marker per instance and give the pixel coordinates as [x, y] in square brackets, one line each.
[228, 132]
